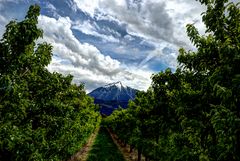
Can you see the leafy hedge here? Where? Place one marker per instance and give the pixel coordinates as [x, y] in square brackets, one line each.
[42, 115]
[193, 113]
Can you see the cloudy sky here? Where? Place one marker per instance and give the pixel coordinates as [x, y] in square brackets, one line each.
[105, 41]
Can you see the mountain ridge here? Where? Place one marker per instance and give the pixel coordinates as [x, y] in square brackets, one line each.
[110, 96]
[114, 91]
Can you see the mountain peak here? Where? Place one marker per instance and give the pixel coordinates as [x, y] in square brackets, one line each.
[114, 91]
[118, 84]
[112, 95]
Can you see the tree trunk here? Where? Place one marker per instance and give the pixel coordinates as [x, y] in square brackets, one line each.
[238, 144]
[139, 154]
[146, 159]
[131, 148]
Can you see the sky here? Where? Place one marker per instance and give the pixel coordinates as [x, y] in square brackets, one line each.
[105, 41]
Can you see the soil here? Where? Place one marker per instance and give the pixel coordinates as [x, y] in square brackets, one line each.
[83, 153]
[125, 150]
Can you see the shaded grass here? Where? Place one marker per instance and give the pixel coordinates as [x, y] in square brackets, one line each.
[104, 148]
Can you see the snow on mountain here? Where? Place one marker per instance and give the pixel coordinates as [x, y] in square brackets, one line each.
[113, 92]
[117, 84]
[111, 96]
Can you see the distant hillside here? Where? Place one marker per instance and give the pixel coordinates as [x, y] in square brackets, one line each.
[111, 96]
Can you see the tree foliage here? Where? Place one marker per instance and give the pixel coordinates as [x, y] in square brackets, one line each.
[42, 115]
[193, 113]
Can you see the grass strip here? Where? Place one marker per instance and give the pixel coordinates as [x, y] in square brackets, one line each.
[104, 149]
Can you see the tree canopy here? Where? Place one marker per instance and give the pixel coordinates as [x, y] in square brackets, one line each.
[43, 116]
[194, 112]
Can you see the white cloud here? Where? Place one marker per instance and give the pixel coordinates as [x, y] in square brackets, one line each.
[168, 58]
[156, 21]
[59, 33]
[72, 5]
[92, 81]
[87, 63]
[50, 6]
[87, 6]
[3, 19]
[151, 19]
[90, 28]
[3, 23]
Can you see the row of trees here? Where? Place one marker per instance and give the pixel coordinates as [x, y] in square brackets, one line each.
[42, 115]
[193, 113]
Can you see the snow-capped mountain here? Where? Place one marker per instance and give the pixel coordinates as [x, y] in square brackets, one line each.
[114, 92]
[113, 95]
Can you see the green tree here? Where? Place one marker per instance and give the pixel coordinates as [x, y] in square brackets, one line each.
[42, 115]
[194, 113]
[216, 61]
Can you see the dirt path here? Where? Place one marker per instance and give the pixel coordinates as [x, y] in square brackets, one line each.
[126, 150]
[83, 153]
[104, 149]
[86, 153]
